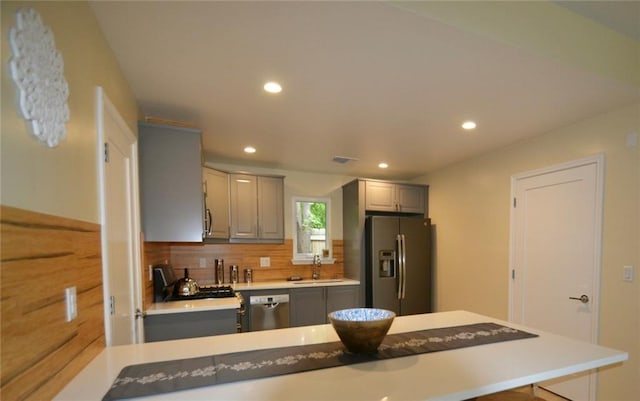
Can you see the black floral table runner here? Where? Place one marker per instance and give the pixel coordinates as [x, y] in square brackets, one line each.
[168, 376]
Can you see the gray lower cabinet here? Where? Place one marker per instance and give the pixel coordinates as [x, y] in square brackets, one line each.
[173, 326]
[342, 297]
[310, 306]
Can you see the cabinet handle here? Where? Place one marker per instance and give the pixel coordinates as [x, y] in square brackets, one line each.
[210, 229]
[399, 264]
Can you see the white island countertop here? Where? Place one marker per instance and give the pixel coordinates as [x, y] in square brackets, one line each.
[448, 375]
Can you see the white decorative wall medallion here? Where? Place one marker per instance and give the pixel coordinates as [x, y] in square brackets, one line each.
[36, 68]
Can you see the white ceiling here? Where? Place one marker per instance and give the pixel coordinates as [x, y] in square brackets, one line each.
[369, 80]
[622, 16]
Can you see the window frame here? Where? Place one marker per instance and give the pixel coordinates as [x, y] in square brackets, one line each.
[303, 258]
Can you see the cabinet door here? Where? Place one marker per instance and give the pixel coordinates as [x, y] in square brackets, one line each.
[380, 196]
[216, 184]
[410, 198]
[174, 326]
[307, 306]
[243, 206]
[170, 168]
[270, 208]
[342, 297]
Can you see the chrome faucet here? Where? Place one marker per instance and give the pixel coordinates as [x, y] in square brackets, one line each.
[316, 267]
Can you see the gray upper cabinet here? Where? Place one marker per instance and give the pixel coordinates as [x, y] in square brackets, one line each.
[383, 196]
[171, 201]
[256, 208]
[243, 207]
[271, 208]
[216, 198]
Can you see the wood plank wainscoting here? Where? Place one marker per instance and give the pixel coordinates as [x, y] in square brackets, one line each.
[41, 255]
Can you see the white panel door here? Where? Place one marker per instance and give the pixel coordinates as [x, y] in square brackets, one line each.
[556, 246]
[120, 227]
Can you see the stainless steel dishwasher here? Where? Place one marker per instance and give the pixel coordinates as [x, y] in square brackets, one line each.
[269, 311]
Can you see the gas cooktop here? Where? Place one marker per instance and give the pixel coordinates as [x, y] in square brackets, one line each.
[206, 292]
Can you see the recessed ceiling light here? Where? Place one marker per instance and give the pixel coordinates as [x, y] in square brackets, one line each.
[272, 87]
[250, 149]
[383, 165]
[468, 125]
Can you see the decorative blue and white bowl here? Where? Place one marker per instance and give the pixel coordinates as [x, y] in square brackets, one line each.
[362, 330]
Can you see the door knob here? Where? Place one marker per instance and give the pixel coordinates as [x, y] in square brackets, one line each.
[583, 298]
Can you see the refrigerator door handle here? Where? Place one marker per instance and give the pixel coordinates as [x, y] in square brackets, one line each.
[404, 267]
[400, 271]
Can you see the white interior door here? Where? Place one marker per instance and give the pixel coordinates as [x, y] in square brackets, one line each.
[120, 227]
[555, 248]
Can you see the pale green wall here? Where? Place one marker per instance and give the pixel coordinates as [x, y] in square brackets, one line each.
[470, 204]
[63, 180]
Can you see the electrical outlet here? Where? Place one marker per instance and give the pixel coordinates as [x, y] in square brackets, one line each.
[265, 261]
[627, 273]
[71, 302]
[203, 262]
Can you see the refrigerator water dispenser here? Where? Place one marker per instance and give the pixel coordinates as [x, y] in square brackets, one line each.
[387, 261]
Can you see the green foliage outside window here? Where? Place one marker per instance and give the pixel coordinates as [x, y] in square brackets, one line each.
[310, 226]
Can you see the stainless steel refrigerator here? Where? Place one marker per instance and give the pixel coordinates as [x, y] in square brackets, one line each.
[398, 264]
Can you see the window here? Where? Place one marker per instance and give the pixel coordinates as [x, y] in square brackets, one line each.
[311, 229]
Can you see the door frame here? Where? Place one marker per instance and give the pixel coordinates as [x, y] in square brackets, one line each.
[599, 161]
[103, 104]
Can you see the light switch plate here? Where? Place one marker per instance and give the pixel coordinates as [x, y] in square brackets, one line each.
[265, 261]
[203, 262]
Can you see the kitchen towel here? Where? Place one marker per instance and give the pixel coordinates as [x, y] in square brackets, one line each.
[182, 374]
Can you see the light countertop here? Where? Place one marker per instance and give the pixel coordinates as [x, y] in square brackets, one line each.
[444, 376]
[284, 284]
[195, 305]
[201, 305]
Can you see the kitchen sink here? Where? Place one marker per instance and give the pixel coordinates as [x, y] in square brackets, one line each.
[307, 282]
